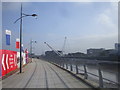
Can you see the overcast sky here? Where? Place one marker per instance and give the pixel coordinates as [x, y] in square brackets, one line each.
[85, 24]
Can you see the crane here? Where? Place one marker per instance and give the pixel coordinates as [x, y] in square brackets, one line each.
[58, 53]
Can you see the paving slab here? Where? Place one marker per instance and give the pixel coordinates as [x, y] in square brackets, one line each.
[42, 74]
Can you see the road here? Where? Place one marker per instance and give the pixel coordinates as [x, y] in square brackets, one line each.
[42, 74]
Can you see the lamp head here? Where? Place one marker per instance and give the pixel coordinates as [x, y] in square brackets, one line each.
[34, 15]
[44, 42]
[35, 41]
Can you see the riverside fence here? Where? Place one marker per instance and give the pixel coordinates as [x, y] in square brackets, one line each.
[104, 73]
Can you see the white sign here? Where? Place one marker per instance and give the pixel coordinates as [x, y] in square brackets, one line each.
[17, 39]
[8, 32]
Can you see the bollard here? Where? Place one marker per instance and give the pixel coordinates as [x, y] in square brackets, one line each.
[85, 72]
[77, 69]
[71, 69]
[100, 77]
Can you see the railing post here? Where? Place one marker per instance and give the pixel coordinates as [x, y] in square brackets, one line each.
[66, 66]
[57, 62]
[100, 77]
[76, 69]
[60, 64]
[63, 65]
[85, 72]
[71, 69]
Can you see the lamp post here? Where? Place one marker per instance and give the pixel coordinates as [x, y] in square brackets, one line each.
[31, 47]
[21, 16]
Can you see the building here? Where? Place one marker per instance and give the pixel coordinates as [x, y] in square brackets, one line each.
[94, 52]
[77, 54]
[109, 52]
[52, 53]
[117, 46]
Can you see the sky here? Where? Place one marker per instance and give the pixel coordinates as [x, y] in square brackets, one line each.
[85, 24]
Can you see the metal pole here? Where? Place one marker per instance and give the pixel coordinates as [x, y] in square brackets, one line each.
[21, 41]
[66, 65]
[71, 69]
[63, 64]
[76, 69]
[100, 77]
[85, 72]
[31, 47]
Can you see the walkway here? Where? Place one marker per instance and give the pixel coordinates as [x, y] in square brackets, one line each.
[41, 74]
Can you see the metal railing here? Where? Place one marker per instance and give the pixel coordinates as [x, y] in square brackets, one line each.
[73, 64]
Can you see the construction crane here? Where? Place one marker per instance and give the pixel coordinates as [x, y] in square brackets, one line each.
[58, 53]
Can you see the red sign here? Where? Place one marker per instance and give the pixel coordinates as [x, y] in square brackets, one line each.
[9, 61]
[17, 45]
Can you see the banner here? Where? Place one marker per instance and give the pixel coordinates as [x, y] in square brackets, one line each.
[23, 59]
[8, 33]
[8, 60]
[17, 43]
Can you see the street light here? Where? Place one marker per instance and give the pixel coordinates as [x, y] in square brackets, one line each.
[22, 15]
[31, 47]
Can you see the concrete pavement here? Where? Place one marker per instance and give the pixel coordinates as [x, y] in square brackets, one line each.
[42, 74]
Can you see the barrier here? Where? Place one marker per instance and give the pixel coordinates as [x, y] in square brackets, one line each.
[23, 59]
[82, 66]
[9, 61]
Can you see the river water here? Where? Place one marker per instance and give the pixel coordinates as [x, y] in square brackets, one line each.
[107, 73]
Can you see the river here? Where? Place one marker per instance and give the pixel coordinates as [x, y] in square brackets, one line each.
[110, 73]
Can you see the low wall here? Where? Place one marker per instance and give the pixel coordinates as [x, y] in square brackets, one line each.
[10, 61]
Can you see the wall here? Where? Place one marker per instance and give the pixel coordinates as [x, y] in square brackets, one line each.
[9, 61]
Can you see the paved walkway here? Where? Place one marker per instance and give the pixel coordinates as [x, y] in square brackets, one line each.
[41, 74]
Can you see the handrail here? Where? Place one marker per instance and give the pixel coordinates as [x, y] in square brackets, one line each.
[98, 76]
[103, 78]
[84, 62]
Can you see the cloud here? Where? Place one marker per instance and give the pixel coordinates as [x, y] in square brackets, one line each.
[108, 19]
[114, 5]
[93, 41]
[105, 21]
[96, 37]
